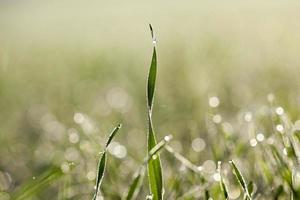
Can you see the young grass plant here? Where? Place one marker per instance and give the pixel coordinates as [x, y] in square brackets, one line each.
[154, 165]
[102, 161]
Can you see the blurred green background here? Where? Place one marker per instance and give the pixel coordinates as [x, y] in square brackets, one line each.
[71, 70]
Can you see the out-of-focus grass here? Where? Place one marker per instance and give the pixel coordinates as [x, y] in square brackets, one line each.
[68, 70]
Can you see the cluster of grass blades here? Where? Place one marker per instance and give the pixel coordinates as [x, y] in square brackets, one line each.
[102, 162]
[278, 163]
[152, 162]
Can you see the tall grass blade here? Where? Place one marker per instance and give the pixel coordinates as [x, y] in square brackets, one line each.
[240, 179]
[102, 162]
[154, 165]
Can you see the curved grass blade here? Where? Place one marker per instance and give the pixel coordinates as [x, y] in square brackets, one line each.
[240, 179]
[112, 135]
[152, 76]
[222, 183]
[34, 187]
[154, 165]
[102, 162]
[100, 174]
[136, 184]
[188, 164]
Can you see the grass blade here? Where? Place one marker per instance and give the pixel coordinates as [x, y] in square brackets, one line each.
[222, 183]
[112, 135]
[240, 178]
[154, 165]
[152, 76]
[152, 153]
[34, 187]
[250, 187]
[102, 162]
[139, 176]
[136, 184]
[100, 174]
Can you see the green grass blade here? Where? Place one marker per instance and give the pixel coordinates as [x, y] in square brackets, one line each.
[154, 168]
[154, 165]
[153, 152]
[102, 162]
[112, 135]
[136, 184]
[240, 178]
[188, 164]
[35, 187]
[100, 173]
[250, 187]
[138, 177]
[222, 183]
[152, 76]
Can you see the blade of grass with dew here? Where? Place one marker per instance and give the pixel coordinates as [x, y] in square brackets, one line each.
[222, 183]
[136, 184]
[154, 165]
[102, 161]
[240, 179]
[35, 187]
[139, 176]
[188, 164]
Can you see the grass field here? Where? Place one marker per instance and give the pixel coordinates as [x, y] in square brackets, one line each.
[225, 111]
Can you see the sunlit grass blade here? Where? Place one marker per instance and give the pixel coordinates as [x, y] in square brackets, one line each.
[240, 179]
[112, 135]
[135, 186]
[188, 164]
[154, 165]
[153, 152]
[102, 162]
[100, 173]
[222, 183]
[152, 75]
[35, 187]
